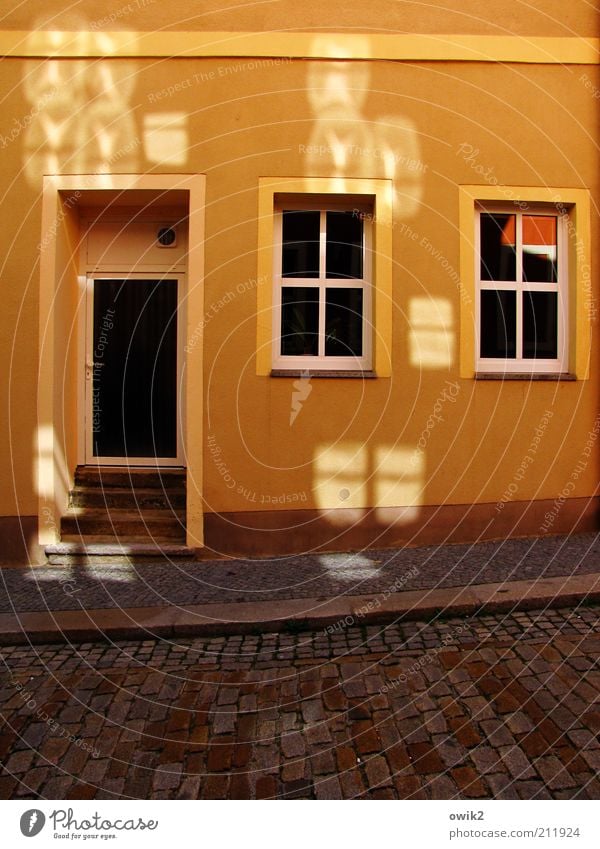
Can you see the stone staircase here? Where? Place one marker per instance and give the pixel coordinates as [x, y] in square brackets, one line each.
[118, 515]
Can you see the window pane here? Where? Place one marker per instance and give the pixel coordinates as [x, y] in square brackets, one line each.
[344, 256]
[343, 322]
[498, 253]
[299, 321]
[300, 252]
[539, 248]
[540, 325]
[498, 324]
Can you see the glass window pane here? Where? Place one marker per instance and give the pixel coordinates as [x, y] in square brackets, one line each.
[539, 248]
[344, 255]
[498, 324]
[343, 322]
[134, 385]
[540, 325]
[498, 252]
[299, 321]
[300, 250]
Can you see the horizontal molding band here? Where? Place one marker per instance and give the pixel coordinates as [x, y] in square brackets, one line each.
[299, 45]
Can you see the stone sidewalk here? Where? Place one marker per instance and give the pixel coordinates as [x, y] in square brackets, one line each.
[504, 706]
[314, 576]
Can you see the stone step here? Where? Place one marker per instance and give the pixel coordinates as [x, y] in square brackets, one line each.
[90, 540]
[123, 524]
[108, 552]
[130, 478]
[132, 513]
[125, 498]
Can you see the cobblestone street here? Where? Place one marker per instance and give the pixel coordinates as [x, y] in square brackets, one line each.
[494, 706]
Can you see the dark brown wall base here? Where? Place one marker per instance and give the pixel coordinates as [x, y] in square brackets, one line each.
[295, 531]
[19, 541]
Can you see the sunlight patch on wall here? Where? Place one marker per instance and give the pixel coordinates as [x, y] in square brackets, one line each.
[351, 475]
[44, 472]
[166, 138]
[398, 477]
[345, 141]
[432, 340]
[341, 472]
[78, 117]
[51, 481]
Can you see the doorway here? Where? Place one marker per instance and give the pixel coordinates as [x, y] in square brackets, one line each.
[133, 369]
[113, 226]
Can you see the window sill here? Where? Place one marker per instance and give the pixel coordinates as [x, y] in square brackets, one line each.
[365, 375]
[501, 375]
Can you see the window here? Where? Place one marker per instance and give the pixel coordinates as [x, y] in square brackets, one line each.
[322, 281]
[373, 201]
[522, 289]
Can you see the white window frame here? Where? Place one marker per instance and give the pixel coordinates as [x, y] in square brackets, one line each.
[520, 364]
[320, 362]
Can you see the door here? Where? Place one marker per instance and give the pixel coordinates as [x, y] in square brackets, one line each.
[133, 369]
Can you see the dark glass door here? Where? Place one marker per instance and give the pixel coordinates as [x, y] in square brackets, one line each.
[134, 368]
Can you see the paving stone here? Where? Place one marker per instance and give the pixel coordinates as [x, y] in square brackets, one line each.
[425, 759]
[239, 787]
[352, 784]
[95, 770]
[377, 771]
[516, 762]
[486, 760]
[20, 762]
[220, 756]
[328, 788]
[223, 723]
[468, 782]
[323, 763]
[364, 738]
[450, 752]
[167, 776]
[266, 787]
[519, 723]
[317, 734]
[333, 697]
[215, 787]
[293, 745]
[294, 770]
[532, 790]
[465, 732]
[501, 786]
[442, 787]
[409, 787]
[312, 711]
[497, 732]
[554, 774]
[297, 789]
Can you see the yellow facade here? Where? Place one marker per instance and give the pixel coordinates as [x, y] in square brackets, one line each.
[428, 115]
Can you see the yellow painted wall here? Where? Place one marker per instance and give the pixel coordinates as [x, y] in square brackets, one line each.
[353, 443]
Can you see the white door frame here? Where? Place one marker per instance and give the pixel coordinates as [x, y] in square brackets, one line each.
[86, 411]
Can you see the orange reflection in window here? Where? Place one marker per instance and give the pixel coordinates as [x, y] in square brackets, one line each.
[539, 230]
[509, 231]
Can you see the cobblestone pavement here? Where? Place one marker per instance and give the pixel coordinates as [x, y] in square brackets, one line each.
[495, 706]
[306, 576]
